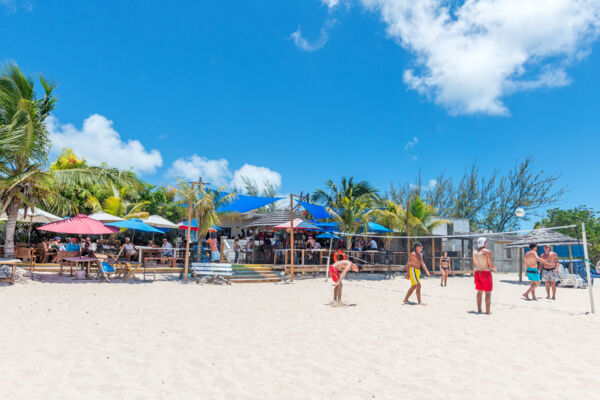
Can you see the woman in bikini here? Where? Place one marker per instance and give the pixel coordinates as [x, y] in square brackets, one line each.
[444, 268]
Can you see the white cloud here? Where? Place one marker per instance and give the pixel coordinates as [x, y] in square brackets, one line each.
[215, 172]
[261, 175]
[12, 6]
[472, 54]
[305, 45]
[411, 143]
[99, 142]
[331, 4]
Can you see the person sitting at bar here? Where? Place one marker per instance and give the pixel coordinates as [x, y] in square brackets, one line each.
[88, 248]
[167, 248]
[129, 250]
[73, 245]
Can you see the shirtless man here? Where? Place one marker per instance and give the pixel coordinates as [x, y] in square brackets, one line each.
[533, 270]
[413, 272]
[483, 265]
[550, 272]
[337, 277]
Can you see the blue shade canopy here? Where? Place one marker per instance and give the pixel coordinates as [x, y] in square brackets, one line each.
[243, 203]
[327, 235]
[135, 224]
[318, 212]
[376, 228]
[194, 224]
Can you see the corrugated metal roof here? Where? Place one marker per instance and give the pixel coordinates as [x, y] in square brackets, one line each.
[274, 218]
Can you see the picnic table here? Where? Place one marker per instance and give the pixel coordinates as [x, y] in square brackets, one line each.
[86, 261]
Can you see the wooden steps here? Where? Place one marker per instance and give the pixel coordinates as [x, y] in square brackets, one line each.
[251, 273]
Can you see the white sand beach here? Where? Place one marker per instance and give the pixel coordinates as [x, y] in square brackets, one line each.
[166, 339]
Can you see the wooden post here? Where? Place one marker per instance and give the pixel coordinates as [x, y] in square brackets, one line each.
[407, 231]
[520, 265]
[570, 259]
[587, 268]
[188, 233]
[253, 244]
[433, 254]
[292, 237]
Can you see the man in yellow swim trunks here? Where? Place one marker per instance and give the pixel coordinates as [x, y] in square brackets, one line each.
[413, 272]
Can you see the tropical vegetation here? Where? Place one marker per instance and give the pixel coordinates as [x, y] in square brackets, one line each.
[69, 185]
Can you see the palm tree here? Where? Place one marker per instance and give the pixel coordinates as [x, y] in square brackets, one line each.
[25, 179]
[352, 215]
[333, 195]
[393, 216]
[423, 217]
[205, 203]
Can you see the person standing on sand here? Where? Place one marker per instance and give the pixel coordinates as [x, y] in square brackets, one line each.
[550, 271]
[533, 270]
[337, 277]
[483, 266]
[413, 272]
[444, 268]
[214, 250]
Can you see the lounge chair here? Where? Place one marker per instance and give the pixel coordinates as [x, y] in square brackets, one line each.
[104, 268]
[569, 280]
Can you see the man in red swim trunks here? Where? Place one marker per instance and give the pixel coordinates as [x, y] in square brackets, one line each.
[483, 265]
[344, 266]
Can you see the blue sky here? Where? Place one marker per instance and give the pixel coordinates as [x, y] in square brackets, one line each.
[296, 92]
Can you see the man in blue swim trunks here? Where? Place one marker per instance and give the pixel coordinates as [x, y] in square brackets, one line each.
[533, 270]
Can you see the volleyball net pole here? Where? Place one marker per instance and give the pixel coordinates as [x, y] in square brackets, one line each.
[587, 268]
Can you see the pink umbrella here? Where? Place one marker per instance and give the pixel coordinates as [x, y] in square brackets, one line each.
[299, 224]
[79, 225]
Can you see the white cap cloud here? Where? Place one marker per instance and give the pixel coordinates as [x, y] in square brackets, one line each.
[472, 54]
[99, 142]
[218, 173]
[262, 176]
[215, 172]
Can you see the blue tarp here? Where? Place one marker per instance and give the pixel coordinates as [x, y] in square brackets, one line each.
[372, 227]
[376, 228]
[194, 224]
[318, 212]
[244, 203]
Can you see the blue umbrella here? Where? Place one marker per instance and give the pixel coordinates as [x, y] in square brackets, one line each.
[327, 235]
[135, 224]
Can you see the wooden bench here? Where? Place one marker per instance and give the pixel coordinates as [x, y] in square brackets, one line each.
[212, 270]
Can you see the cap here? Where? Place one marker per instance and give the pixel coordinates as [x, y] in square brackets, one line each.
[481, 242]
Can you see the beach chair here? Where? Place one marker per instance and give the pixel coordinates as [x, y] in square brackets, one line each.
[569, 280]
[212, 271]
[104, 268]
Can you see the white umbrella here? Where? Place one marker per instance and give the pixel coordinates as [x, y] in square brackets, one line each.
[35, 216]
[159, 222]
[105, 217]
